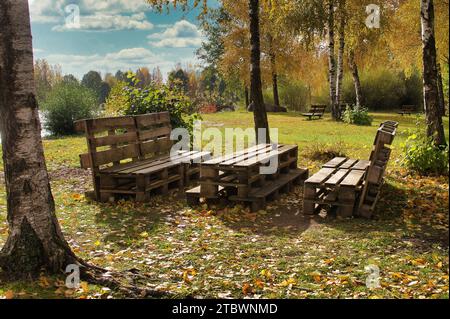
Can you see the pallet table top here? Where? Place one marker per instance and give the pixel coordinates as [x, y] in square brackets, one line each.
[256, 155]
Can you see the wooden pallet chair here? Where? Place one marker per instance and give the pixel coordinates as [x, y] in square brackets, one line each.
[343, 183]
[129, 155]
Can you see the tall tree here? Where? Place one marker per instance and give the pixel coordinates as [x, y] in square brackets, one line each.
[355, 76]
[340, 62]
[35, 239]
[332, 59]
[259, 114]
[435, 128]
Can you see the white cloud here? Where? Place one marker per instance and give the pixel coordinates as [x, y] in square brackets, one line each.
[106, 22]
[94, 14]
[180, 35]
[126, 59]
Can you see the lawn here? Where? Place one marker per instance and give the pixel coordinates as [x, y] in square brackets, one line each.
[277, 253]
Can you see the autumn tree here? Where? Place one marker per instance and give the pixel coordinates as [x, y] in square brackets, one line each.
[259, 114]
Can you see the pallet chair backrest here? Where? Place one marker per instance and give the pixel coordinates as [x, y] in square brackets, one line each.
[154, 134]
[381, 152]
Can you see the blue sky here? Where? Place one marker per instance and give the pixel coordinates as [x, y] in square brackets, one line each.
[112, 35]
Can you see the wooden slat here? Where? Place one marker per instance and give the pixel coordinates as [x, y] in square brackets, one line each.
[114, 139]
[266, 157]
[146, 120]
[321, 176]
[227, 157]
[361, 165]
[353, 179]
[335, 162]
[155, 133]
[105, 124]
[248, 156]
[348, 164]
[156, 146]
[118, 154]
[337, 177]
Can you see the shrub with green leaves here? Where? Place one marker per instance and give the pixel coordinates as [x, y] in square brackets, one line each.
[421, 155]
[158, 98]
[67, 102]
[357, 115]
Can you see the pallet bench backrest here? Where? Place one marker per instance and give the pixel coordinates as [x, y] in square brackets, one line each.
[318, 109]
[112, 141]
[154, 134]
[407, 108]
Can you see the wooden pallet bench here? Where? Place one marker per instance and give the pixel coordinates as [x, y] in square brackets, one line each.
[407, 109]
[238, 176]
[130, 155]
[316, 111]
[350, 186]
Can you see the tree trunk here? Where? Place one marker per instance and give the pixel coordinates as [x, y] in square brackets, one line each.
[435, 128]
[355, 75]
[332, 60]
[340, 63]
[259, 113]
[247, 99]
[441, 92]
[35, 239]
[273, 67]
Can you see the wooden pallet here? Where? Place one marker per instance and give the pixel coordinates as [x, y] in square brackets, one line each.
[351, 186]
[333, 187]
[258, 197]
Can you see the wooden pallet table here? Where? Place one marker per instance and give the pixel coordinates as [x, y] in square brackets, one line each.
[240, 176]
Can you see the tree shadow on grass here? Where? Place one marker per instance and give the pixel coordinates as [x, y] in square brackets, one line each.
[282, 217]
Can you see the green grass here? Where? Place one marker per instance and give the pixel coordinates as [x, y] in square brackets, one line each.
[279, 253]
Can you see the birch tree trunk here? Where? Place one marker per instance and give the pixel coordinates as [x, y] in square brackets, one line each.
[331, 60]
[355, 76]
[340, 63]
[441, 92]
[259, 113]
[273, 67]
[435, 128]
[35, 239]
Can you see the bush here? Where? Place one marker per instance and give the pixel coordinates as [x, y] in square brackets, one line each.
[133, 100]
[66, 103]
[421, 155]
[357, 115]
[382, 89]
[293, 95]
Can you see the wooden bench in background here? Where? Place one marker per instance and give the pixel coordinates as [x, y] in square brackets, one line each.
[351, 186]
[316, 111]
[130, 155]
[407, 109]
